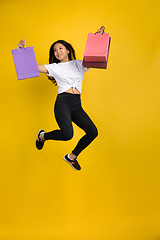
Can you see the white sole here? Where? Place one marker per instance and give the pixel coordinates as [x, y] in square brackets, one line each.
[37, 136]
[69, 164]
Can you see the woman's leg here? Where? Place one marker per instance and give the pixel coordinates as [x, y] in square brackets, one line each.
[63, 118]
[82, 120]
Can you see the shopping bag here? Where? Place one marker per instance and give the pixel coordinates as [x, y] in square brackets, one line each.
[102, 65]
[25, 63]
[97, 50]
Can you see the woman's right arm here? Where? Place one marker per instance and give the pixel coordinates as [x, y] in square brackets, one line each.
[41, 68]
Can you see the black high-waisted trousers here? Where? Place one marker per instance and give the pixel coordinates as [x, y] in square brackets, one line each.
[68, 109]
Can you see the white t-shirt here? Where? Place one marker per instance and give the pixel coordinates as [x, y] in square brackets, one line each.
[67, 75]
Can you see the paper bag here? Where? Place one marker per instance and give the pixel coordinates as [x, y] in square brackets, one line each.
[25, 63]
[97, 50]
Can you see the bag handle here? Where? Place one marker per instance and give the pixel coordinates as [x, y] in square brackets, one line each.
[101, 28]
[24, 46]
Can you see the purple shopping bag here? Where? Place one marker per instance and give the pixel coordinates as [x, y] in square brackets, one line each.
[25, 63]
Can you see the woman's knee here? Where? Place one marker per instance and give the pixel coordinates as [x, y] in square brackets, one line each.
[94, 132]
[68, 135]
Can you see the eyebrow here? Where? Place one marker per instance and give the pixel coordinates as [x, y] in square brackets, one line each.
[57, 47]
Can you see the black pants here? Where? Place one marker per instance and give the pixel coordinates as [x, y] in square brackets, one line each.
[68, 109]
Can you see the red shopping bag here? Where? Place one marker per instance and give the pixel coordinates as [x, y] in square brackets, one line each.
[25, 63]
[102, 65]
[97, 50]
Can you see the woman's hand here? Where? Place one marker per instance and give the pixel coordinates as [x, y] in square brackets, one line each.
[41, 68]
[101, 30]
[22, 43]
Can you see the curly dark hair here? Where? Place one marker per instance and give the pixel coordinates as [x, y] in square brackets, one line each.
[53, 59]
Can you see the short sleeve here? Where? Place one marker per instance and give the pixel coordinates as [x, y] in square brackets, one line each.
[50, 68]
[83, 69]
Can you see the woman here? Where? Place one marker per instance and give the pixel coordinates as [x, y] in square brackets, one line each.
[67, 72]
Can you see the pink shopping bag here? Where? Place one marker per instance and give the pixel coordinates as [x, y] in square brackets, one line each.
[102, 65]
[97, 50]
[25, 63]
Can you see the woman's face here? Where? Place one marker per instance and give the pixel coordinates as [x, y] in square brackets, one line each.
[60, 52]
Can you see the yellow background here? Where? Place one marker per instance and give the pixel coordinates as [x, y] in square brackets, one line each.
[116, 195]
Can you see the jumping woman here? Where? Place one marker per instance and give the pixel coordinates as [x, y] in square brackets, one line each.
[67, 73]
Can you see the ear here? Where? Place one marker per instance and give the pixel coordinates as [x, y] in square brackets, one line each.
[68, 51]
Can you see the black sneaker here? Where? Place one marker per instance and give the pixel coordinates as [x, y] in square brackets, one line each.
[74, 164]
[39, 142]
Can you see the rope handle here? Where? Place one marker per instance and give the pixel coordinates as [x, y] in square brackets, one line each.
[101, 28]
[24, 46]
